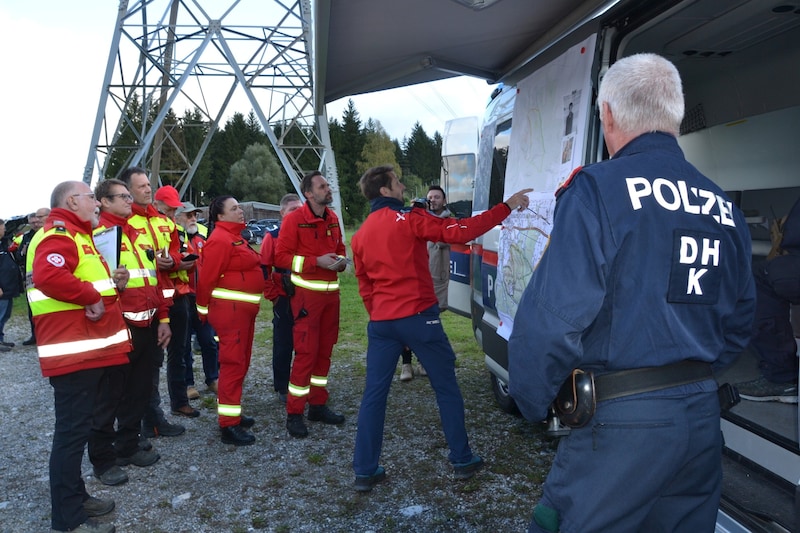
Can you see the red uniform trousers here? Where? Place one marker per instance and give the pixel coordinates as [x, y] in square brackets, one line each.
[316, 330]
[235, 324]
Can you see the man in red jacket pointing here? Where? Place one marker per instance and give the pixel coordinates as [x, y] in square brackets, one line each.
[391, 262]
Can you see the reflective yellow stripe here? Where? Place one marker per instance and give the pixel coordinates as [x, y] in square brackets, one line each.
[294, 390]
[202, 310]
[297, 263]
[142, 273]
[239, 296]
[229, 410]
[35, 295]
[68, 348]
[141, 316]
[319, 381]
[315, 285]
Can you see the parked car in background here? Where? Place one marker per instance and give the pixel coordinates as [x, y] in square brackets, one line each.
[258, 228]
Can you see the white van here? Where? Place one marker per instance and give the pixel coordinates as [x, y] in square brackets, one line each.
[740, 65]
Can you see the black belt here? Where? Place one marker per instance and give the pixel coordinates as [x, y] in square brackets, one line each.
[638, 380]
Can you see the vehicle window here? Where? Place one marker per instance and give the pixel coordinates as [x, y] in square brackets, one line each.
[459, 183]
[499, 162]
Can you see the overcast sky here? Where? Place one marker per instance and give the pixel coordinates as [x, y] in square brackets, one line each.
[54, 55]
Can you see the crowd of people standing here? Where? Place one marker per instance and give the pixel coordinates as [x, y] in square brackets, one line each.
[103, 320]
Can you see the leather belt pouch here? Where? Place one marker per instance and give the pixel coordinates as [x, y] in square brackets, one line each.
[575, 402]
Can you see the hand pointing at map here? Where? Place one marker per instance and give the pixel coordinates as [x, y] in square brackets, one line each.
[519, 200]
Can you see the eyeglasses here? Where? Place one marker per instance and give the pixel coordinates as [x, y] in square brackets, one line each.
[89, 194]
[190, 214]
[125, 196]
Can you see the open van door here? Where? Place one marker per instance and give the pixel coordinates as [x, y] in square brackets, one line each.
[459, 154]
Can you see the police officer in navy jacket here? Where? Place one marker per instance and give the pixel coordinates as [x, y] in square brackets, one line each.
[646, 280]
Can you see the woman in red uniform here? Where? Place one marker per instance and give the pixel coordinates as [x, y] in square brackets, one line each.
[229, 292]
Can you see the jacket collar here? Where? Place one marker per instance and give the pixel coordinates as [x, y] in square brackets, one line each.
[231, 227]
[109, 219]
[149, 211]
[646, 142]
[385, 201]
[64, 217]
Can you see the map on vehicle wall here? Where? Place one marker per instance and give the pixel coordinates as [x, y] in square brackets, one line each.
[547, 142]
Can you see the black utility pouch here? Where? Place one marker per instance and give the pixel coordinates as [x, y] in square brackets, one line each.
[728, 396]
[575, 402]
[288, 286]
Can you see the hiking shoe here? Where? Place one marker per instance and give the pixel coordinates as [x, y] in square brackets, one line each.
[214, 386]
[283, 397]
[7, 344]
[91, 526]
[406, 374]
[113, 476]
[296, 426]
[29, 342]
[237, 435]
[321, 413]
[97, 507]
[421, 370]
[4, 348]
[365, 483]
[192, 393]
[139, 458]
[163, 429]
[762, 390]
[186, 410]
[468, 469]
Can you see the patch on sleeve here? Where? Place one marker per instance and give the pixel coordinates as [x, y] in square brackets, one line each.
[697, 262]
[57, 260]
[566, 183]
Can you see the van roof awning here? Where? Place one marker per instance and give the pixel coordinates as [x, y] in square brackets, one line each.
[371, 45]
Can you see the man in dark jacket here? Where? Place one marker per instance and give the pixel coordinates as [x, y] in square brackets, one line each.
[649, 291]
[20, 249]
[9, 286]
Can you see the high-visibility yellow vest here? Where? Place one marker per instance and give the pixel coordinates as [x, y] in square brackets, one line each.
[61, 341]
[160, 229]
[137, 308]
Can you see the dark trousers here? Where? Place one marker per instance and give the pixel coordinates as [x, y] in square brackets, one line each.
[424, 334]
[773, 335]
[643, 463]
[176, 365]
[124, 393]
[74, 398]
[208, 346]
[282, 343]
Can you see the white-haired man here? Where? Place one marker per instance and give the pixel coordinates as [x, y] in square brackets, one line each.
[646, 283]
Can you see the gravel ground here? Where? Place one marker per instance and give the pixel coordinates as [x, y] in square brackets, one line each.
[282, 484]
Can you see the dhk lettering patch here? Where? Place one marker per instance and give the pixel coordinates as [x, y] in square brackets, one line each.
[696, 274]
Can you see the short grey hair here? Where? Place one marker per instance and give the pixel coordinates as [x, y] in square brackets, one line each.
[644, 93]
[61, 192]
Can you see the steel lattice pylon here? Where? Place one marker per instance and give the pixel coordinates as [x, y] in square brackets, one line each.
[218, 59]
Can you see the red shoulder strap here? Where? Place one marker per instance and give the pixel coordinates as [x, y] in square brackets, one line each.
[566, 183]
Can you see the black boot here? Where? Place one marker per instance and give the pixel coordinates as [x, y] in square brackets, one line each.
[321, 413]
[247, 421]
[237, 436]
[296, 426]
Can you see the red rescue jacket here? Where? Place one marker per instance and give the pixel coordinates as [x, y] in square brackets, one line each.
[390, 253]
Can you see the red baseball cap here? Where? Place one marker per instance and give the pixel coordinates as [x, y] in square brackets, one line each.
[169, 195]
